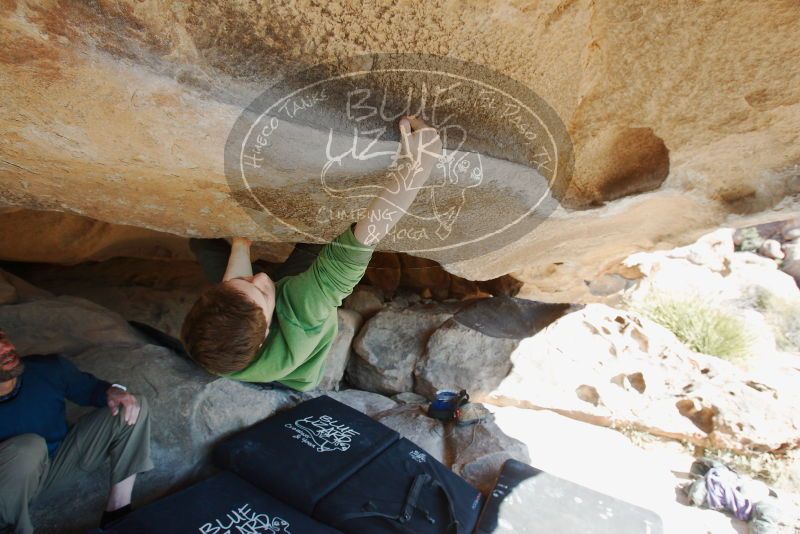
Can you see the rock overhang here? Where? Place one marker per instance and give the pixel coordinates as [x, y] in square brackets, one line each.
[119, 109]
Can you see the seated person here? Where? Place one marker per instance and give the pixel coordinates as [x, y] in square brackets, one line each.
[39, 452]
[252, 329]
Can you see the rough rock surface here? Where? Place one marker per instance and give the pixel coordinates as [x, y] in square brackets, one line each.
[508, 317]
[8, 293]
[791, 261]
[779, 240]
[366, 300]
[67, 238]
[388, 346]
[153, 292]
[457, 357]
[709, 269]
[363, 401]
[739, 284]
[480, 451]
[412, 423]
[771, 249]
[610, 367]
[475, 452]
[120, 110]
[66, 325]
[24, 290]
[409, 397]
[341, 351]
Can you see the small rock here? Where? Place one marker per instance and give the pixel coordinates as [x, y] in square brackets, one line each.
[458, 357]
[480, 451]
[794, 184]
[710, 250]
[366, 300]
[792, 234]
[727, 276]
[773, 515]
[608, 284]
[388, 346]
[791, 263]
[412, 423]
[790, 230]
[405, 298]
[749, 260]
[771, 248]
[762, 277]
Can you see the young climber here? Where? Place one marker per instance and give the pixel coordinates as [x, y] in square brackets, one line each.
[252, 329]
[37, 450]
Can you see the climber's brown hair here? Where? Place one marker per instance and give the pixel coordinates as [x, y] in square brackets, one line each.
[224, 330]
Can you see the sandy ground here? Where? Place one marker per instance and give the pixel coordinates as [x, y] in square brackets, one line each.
[647, 475]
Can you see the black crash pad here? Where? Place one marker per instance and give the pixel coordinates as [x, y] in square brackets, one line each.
[302, 454]
[383, 486]
[220, 505]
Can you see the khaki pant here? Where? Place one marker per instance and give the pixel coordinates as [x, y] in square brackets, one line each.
[26, 469]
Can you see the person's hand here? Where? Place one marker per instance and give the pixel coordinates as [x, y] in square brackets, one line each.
[241, 242]
[116, 398]
[420, 143]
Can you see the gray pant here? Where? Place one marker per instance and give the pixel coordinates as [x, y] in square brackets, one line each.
[26, 470]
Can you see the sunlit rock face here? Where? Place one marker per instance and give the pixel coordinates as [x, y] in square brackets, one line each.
[681, 118]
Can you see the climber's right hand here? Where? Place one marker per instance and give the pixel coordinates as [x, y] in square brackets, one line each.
[420, 143]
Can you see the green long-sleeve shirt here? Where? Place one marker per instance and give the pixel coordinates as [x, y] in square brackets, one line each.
[305, 322]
